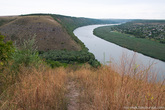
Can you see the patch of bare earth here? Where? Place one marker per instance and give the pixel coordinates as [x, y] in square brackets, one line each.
[73, 96]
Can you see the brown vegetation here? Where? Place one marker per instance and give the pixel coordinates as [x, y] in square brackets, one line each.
[37, 89]
[106, 90]
[49, 33]
[85, 88]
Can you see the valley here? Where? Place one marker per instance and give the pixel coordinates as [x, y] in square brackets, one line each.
[46, 65]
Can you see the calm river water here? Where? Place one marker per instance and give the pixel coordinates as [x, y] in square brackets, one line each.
[105, 51]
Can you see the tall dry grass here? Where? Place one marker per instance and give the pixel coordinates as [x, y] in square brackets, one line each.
[105, 89]
[37, 89]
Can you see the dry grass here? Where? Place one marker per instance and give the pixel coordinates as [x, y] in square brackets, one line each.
[36, 90]
[104, 89]
[99, 89]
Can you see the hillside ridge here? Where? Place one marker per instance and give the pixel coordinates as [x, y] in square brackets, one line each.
[50, 35]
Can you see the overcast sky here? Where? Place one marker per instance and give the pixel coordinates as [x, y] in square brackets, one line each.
[134, 9]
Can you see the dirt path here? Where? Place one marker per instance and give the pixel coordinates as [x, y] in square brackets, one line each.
[72, 96]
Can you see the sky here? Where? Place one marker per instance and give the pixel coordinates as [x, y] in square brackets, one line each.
[122, 9]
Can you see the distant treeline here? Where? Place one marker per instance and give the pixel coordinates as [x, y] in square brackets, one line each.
[148, 21]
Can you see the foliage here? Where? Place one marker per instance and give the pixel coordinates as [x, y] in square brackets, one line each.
[6, 49]
[54, 64]
[144, 46]
[70, 57]
[27, 55]
[94, 62]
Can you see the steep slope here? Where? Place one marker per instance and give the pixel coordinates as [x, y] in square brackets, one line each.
[71, 23]
[50, 35]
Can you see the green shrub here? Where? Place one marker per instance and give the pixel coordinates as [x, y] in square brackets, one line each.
[94, 63]
[27, 54]
[6, 50]
[54, 64]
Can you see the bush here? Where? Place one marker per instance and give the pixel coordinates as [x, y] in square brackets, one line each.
[27, 55]
[54, 64]
[94, 63]
[13, 59]
[6, 50]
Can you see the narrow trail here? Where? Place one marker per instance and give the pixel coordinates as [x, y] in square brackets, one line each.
[73, 95]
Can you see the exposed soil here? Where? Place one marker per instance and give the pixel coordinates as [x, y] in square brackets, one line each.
[73, 96]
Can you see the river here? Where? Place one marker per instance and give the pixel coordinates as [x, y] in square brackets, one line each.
[106, 52]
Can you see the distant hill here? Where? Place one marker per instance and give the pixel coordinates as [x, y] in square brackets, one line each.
[53, 32]
[149, 21]
[49, 33]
